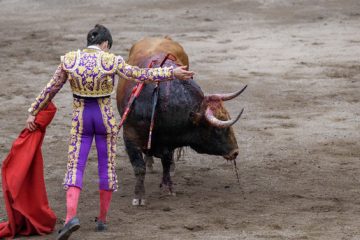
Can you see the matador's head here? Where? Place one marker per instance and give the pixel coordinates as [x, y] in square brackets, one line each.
[100, 36]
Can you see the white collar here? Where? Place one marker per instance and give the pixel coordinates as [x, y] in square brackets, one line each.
[94, 47]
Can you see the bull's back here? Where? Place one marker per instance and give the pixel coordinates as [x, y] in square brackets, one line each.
[176, 98]
[141, 54]
[148, 47]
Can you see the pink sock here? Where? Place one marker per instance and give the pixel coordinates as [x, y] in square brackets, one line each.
[105, 199]
[72, 198]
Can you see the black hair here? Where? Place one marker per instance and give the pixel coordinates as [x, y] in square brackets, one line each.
[98, 35]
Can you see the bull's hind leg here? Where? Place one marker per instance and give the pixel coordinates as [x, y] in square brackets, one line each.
[166, 183]
[138, 164]
[149, 161]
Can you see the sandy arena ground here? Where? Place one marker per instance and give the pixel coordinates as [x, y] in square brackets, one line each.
[299, 137]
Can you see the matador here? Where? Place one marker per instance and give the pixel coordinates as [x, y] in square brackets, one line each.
[91, 73]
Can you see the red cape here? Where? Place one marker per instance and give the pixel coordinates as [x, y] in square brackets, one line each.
[23, 183]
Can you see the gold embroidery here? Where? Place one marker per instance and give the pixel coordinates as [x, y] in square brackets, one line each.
[111, 136]
[107, 63]
[91, 73]
[75, 141]
[71, 60]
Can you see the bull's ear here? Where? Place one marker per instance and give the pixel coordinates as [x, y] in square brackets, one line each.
[195, 117]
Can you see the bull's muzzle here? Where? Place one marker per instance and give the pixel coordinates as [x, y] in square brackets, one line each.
[232, 155]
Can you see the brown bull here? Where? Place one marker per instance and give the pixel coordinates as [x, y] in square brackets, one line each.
[184, 115]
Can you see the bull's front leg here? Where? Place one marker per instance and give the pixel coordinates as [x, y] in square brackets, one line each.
[166, 183]
[138, 165]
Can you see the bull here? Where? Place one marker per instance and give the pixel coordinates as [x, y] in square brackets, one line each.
[184, 115]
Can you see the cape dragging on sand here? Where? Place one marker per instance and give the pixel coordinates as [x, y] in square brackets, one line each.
[23, 183]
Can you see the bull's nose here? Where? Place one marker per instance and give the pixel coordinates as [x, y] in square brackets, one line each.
[232, 155]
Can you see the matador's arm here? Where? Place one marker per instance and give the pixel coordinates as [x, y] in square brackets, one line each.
[127, 71]
[52, 88]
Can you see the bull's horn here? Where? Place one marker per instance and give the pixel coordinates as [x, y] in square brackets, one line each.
[227, 96]
[209, 115]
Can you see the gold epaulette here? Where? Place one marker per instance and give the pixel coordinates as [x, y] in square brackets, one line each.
[107, 63]
[70, 60]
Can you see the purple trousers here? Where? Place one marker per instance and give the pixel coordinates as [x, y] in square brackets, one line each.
[92, 118]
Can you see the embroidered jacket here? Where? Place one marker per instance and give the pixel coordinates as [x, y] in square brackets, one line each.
[91, 73]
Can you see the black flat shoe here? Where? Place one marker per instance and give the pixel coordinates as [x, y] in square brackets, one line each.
[68, 229]
[100, 226]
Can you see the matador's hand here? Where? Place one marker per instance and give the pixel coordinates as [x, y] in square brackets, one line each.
[30, 123]
[182, 74]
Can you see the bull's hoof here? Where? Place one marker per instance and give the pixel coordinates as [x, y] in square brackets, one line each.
[138, 202]
[168, 190]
